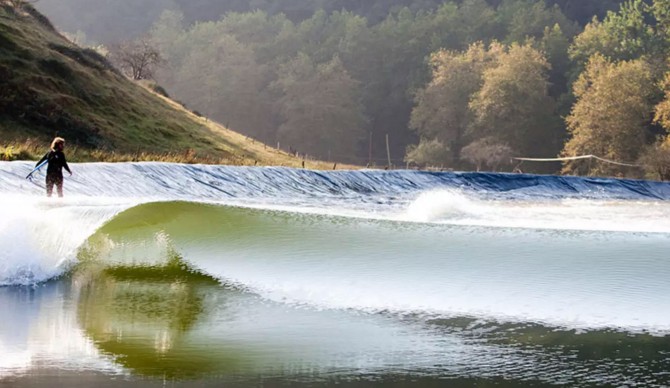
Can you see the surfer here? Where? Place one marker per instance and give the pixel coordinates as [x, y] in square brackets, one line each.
[56, 162]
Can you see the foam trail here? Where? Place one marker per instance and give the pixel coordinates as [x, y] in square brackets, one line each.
[457, 208]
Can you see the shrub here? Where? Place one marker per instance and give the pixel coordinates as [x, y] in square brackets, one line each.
[432, 152]
[487, 152]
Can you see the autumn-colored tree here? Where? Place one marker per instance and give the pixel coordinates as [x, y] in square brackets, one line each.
[442, 110]
[656, 160]
[513, 105]
[611, 116]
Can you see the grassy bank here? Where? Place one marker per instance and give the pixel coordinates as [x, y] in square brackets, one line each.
[32, 149]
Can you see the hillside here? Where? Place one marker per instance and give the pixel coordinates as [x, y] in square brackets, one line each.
[49, 86]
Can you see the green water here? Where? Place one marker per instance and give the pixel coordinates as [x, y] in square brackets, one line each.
[179, 294]
[166, 326]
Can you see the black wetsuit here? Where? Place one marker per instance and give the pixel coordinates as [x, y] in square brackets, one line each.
[55, 170]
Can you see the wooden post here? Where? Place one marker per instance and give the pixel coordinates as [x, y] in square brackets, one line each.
[370, 150]
[388, 150]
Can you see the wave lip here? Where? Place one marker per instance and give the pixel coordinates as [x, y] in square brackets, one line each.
[40, 237]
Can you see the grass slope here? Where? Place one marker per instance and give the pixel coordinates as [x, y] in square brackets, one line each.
[49, 86]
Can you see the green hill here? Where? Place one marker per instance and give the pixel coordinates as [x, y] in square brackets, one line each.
[49, 86]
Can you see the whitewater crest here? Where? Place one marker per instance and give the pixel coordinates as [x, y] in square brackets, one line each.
[40, 237]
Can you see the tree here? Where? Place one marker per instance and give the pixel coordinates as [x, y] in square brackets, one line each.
[442, 112]
[622, 35]
[320, 107]
[555, 45]
[656, 159]
[513, 105]
[611, 115]
[167, 34]
[662, 110]
[528, 18]
[583, 11]
[220, 78]
[137, 59]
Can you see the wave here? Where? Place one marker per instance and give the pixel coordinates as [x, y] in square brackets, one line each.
[575, 279]
[563, 251]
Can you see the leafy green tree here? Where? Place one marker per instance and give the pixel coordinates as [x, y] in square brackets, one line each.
[168, 34]
[390, 63]
[323, 36]
[220, 78]
[660, 9]
[555, 45]
[428, 152]
[320, 107]
[611, 116]
[529, 18]
[622, 35]
[583, 11]
[273, 38]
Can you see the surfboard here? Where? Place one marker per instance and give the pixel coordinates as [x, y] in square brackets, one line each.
[30, 175]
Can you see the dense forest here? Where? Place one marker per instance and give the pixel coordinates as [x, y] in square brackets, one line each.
[459, 84]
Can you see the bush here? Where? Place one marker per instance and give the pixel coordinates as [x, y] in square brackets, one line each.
[427, 152]
[160, 90]
[656, 159]
[486, 152]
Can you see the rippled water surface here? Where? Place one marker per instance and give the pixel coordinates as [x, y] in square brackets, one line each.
[168, 275]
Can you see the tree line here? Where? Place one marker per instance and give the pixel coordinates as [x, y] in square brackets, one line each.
[463, 85]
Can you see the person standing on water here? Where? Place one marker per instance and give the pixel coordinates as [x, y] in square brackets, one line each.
[56, 163]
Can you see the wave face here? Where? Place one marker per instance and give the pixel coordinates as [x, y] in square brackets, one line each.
[563, 251]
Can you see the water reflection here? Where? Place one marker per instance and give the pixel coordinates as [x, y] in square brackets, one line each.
[170, 322]
[39, 329]
[153, 325]
[144, 316]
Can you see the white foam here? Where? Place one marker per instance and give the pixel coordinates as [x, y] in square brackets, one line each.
[440, 205]
[40, 236]
[457, 208]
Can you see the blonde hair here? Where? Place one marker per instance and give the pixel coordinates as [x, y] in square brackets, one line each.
[56, 141]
